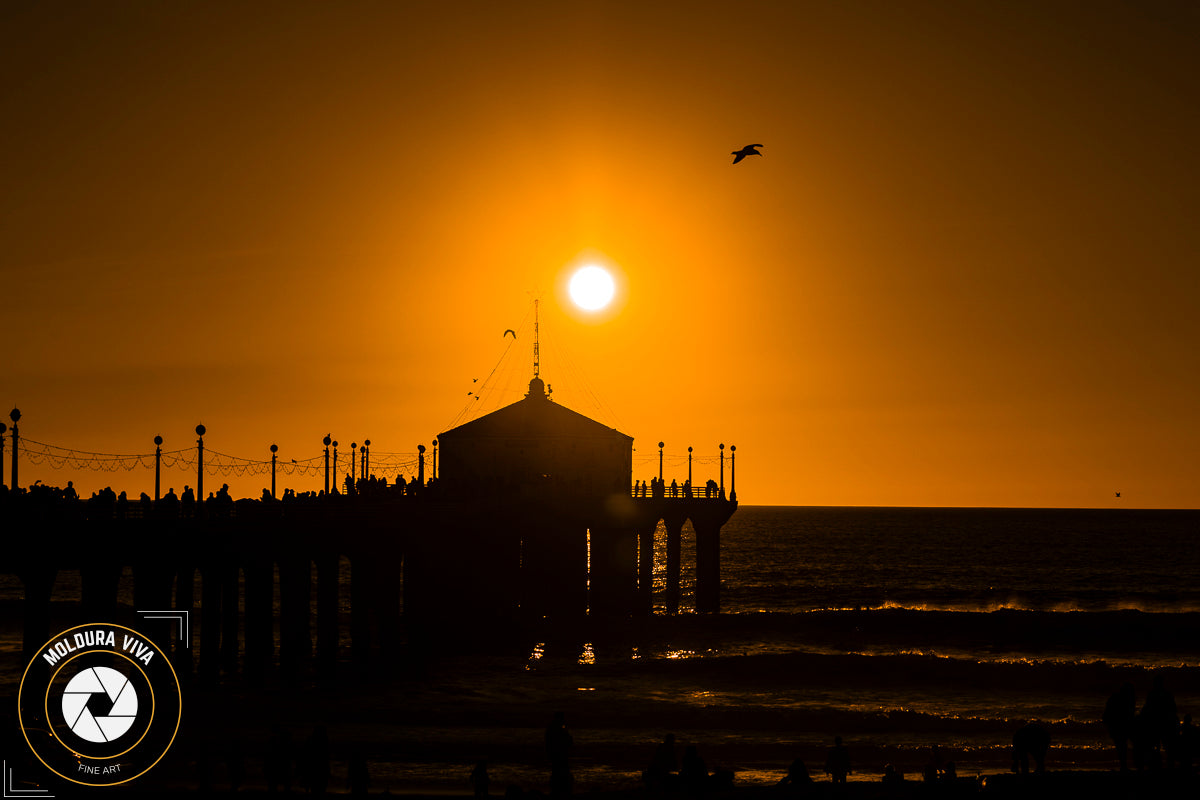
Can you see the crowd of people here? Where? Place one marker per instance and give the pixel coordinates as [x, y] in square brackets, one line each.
[657, 487]
[108, 504]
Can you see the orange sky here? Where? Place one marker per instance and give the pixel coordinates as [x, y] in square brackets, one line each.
[964, 271]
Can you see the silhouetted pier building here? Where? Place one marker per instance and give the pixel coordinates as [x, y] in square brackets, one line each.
[532, 516]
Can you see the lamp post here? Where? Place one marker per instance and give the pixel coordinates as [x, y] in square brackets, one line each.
[690, 487]
[274, 450]
[435, 459]
[353, 463]
[421, 466]
[157, 467]
[3, 428]
[326, 442]
[366, 458]
[722, 495]
[200, 431]
[660, 472]
[732, 472]
[15, 416]
[335, 473]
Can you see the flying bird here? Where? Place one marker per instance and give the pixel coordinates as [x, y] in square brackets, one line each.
[1118, 494]
[507, 332]
[748, 150]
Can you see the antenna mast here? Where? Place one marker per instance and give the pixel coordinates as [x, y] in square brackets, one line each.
[536, 365]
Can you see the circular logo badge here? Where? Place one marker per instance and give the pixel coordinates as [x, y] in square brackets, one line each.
[100, 704]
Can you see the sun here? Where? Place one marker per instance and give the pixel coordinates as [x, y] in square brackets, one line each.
[591, 288]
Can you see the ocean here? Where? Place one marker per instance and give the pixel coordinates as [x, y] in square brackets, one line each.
[898, 629]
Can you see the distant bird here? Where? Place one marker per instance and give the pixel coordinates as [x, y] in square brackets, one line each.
[507, 332]
[748, 150]
[1118, 494]
[476, 380]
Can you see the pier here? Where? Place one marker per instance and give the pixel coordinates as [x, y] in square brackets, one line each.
[554, 531]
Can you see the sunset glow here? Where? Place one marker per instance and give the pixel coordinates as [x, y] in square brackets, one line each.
[922, 294]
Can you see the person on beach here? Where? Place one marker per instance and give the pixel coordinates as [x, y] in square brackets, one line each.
[1120, 714]
[479, 778]
[797, 778]
[558, 750]
[662, 769]
[693, 773]
[1031, 741]
[837, 761]
[1160, 724]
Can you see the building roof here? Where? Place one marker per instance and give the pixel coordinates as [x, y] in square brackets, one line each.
[535, 416]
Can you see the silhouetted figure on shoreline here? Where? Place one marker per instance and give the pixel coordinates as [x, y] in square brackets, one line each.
[797, 778]
[1031, 741]
[837, 761]
[1189, 741]
[1158, 723]
[558, 751]
[479, 778]
[693, 771]
[1119, 719]
[663, 766]
[358, 775]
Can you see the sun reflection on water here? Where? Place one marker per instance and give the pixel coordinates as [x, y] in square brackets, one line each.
[539, 650]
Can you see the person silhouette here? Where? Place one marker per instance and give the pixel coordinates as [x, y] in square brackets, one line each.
[558, 751]
[837, 761]
[1189, 739]
[1030, 741]
[663, 766]
[797, 777]
[358, 775]
[1159, 720]
[693, 772]
[1120, 713]
[479, 778]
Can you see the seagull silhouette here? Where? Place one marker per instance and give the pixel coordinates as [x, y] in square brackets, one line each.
[507, 332]
[748, 150]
